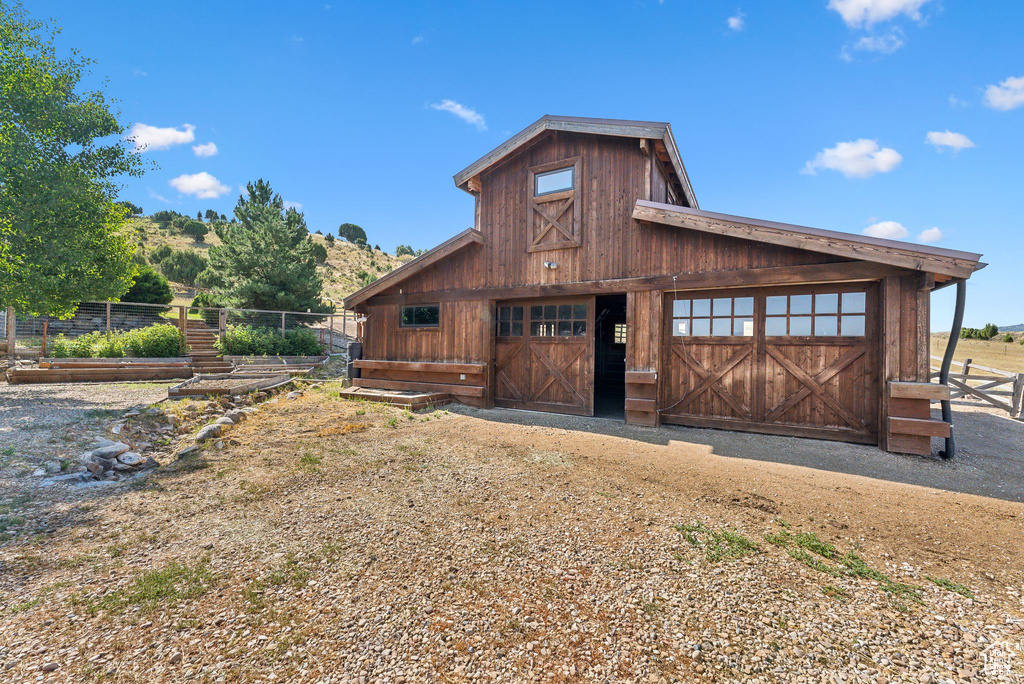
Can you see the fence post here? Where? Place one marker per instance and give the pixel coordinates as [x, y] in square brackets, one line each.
[222, 323]
[967, 368]
[108, 317]
[181, 320]
[1018, 396]
[282, 324]
[330, 344]
[12, 322]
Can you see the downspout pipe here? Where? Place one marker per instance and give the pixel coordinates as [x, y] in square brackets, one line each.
[947, 360]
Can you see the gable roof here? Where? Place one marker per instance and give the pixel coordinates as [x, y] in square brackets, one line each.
[926, 258]
[623, 128]
[449, 246]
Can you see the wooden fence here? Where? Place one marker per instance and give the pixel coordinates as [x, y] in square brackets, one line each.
[1002, 389]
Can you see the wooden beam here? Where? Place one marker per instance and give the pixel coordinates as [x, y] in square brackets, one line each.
[459, 390]
[918, 426]
[644, 405]
[957, 264]
[918, 390]
[641, 377]
[843, 271]
[422, 366]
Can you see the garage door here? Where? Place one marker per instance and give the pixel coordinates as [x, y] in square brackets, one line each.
[543, 355]
[798, 361]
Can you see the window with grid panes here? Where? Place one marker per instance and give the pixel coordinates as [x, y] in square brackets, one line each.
[510, 321]
[558, 320]
[713, 317]
[826, 314]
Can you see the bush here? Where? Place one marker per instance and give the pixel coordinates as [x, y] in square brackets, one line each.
[1008, 338]
[149, 288]
[184, 266]
[155, 341]
[209, 279]
[206, 305]
[987, 333]
[160, 253]
[245, 340]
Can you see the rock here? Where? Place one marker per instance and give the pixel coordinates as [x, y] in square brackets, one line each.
[187, 451]
[95, 483]
[236, 414]
[293, 395]
[208, 432]
[111, 451]
[38, 472]
[100, 443]
[105, 463]
[49, 667]
[175, 658]
[117, 428]
[224, 421]
[150, 463]
[130, 458]
[52, 466]
[71, 478]
[154, 411]
[130, 414]
[94, 468]
[119, 467]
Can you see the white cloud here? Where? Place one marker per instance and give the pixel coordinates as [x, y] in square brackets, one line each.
[855, 159]
[886, 229]
[954, 141]
[139, 73]
[930, 235]
[468, 115]
[416, 40]
[147, 138]
[735, 22]
[157, 196]
[857, 13]
[955, 101]
[1007, 95]
[884, 44]
[205, 149]
[297, 206]
[202, 185]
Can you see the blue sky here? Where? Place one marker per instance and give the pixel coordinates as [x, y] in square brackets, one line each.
[817, 113]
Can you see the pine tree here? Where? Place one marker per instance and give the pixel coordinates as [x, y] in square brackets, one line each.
[266, 258]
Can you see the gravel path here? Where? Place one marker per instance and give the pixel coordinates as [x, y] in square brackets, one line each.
[343, 542]
[53, 421]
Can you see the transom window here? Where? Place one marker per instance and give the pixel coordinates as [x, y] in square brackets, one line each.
[718, 317]
[829, 314]
[510, 321]
[421, 316]
[554, 181]
[619, 333]
[558, 320]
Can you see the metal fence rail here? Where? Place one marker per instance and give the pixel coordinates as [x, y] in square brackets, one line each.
[28, 336]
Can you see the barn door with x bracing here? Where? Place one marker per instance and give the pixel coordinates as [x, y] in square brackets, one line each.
[797, 361]
[543, 356]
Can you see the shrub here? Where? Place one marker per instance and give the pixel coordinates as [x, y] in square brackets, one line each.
[245, 340]
[160, 253]
[155, 341]
[183, 266]
[62, 347]
[1008, 338]
[206, 305]
[149, 288]
[209, 279]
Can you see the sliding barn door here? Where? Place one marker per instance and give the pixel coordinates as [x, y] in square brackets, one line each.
[544, 356]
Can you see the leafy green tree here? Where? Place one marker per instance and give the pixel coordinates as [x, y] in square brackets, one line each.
[209, 279]
[197, 230]
[149, 288]
[160, 253]
[1008, 338]
[63, 236]
[403, 249]
[184, 266]
[133, 209]
[329, 239]
[266, 258]
[199, 216]
[165, 217]
[352, 233]
[210, 215]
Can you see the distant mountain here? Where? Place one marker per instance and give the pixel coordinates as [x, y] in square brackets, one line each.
[1012, 328]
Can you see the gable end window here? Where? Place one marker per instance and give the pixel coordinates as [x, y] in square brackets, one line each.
[421, 316]
[554, 206]
[554, 181]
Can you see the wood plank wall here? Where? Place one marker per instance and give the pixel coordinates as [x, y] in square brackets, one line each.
[643, 356]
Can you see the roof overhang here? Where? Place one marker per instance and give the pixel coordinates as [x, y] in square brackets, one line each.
[938, 260]
[643, 130]
[449, 246]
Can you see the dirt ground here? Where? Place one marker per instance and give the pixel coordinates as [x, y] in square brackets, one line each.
[337, 541]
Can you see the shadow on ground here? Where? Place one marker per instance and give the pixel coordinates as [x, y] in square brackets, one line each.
[989, 461]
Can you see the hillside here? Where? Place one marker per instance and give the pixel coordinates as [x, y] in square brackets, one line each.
[1012, 328]
[342, 272]
[1007, 356]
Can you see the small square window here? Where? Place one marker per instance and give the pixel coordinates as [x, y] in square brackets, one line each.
[853, 302]
[681, 327]
[775, 326]
[420, 316]
[517, 313]
[826, 303]
[800, 325]
[550, 312]
[579, 328]
[565, 311]
[554, 181]
[723, 307]
[701, 307]
[536, 312]
[503, 329]
[579, 312]
[504, 313]
[517, 329]
[681, 308]
[826, 326]
[721, 327]
[743, 306]
[800, 304]
[619, 333]
[743, 327]
[564, 328]
[776, 306]
[853, 326]
[702, 327]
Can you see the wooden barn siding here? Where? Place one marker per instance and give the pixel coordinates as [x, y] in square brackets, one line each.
[463, 336]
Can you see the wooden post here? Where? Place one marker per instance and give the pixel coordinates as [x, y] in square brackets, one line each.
[222, 323]
[1018, 397]
[108, 317]
[330, 344]
[12, 324]
[967, 368]
[42, 352]
[282, 324]
[182, 319]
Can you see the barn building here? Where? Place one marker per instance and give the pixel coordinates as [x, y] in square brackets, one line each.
[592, 283]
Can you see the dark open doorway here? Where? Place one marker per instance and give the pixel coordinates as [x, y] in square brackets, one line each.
[610, 356]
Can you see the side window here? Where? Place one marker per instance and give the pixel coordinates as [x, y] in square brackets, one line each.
[421, 316]
[510, 321]
[718, 317]
[826, 314]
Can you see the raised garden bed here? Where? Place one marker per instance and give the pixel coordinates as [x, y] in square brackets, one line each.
[234, 384]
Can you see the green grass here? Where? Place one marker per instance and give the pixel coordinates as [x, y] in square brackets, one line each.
[812, 562]
[835, 592]
[167, 586]
[950, 585]
[310, 462]
[719, 545]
